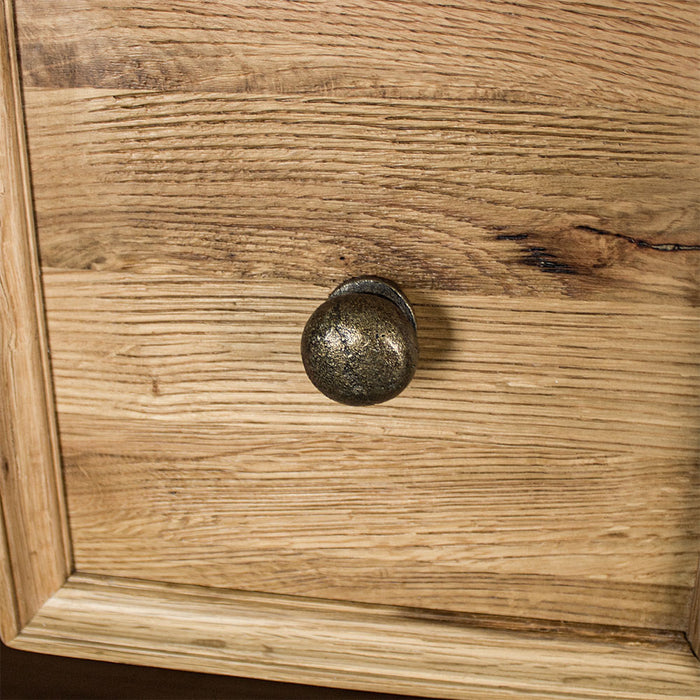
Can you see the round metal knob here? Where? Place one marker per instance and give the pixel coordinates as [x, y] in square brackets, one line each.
[360, 346]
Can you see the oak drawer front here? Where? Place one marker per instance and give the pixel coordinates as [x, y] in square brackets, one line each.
[189, 220]
[541, 464]
[203, 175]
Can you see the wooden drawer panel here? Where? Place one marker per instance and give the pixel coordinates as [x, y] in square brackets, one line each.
[205, 173]
[464, 195]
[542, 462]
[544, 448]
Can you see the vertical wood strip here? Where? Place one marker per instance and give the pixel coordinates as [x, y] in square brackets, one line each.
[35, 544]
[694, 622]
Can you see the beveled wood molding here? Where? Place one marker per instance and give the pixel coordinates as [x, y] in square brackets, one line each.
[348, 645]
[34, 542]
[694, 620]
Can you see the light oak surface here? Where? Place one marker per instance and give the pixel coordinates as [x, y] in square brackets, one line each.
[474, 196]
[635, 54]
[336, 644]
[542, 462]
[203, 174]
[544, 459]
[543, 148]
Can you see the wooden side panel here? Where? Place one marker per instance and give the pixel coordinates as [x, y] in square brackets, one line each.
[371, 648]
[33, 534]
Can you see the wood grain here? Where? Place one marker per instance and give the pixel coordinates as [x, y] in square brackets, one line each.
[694, 617]
[449, 144]
[461, 195]
[611, 52]
[542, 463]
[370, 648]
[529, 172]
[34, 549]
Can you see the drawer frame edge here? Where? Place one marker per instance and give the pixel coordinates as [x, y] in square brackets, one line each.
[35, 551]
[349, 645]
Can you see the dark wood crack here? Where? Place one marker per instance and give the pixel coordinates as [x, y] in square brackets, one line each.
[640, 242]
[540, 257]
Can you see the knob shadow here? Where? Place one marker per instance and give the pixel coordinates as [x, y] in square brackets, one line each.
[435, 331]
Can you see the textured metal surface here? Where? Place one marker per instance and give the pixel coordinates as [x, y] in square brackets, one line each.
[360, 347]
[376, 285]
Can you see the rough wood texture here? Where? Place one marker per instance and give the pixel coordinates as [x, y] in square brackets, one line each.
[34, 557]
[542, 463]
[346, 645]
[694, 619]
[485, 197]
[205, 175]
[629, 53]
[532, 148]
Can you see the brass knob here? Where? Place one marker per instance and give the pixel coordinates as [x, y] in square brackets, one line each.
[360, 346]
